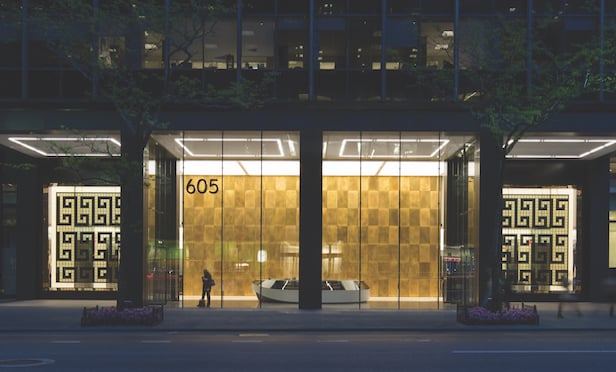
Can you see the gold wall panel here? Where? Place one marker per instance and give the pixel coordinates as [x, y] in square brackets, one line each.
[223, 232]
[398, 217]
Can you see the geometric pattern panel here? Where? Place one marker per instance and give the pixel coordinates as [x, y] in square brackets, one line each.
[86, 247]
[536, 239]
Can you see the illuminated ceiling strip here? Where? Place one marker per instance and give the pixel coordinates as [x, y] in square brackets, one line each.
[606, 143]
[21, 141]
[442, 144]
[181, 142]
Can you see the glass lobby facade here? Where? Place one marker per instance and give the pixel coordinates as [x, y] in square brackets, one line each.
[237, 202]
[399, 214]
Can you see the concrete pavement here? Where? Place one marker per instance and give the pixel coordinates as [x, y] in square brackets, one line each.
[65, 315]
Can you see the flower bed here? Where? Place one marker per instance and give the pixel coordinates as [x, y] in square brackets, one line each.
[128, 316]
[481, 316]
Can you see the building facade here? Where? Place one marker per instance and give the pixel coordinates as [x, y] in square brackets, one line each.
[354, 171]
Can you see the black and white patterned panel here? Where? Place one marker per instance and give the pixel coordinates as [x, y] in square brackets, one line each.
[536, 238]
[87, 237]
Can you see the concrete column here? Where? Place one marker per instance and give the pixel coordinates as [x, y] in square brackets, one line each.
[489, 190]
[596, 223]
[29, 231]
[310, 219]
[133, 224]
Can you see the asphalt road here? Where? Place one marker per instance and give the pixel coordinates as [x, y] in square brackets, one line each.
[310, 351]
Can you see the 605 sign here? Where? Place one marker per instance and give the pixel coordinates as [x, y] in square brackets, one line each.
[202, 186]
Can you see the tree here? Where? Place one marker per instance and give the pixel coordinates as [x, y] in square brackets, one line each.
[515, 77]
[107, 42]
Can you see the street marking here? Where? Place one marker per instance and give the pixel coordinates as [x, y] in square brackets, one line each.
[532, 351]
[254, 334]
[155, 341]
[17, 363]
[65, 342]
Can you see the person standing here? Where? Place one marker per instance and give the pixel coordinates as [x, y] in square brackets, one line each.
[207, 282]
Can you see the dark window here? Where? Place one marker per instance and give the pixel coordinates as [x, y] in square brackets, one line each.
[511, 6]
[365, 42]
[41, 54]
[438, 6]
[549, 6]
[403, 6]
[10, 53]
[582, 7]
[259, 6]
[293, 6]
[476, 6]
[365, 6]
[330, 7]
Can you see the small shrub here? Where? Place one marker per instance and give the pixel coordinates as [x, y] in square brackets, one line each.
[127, 316]
[480, 315]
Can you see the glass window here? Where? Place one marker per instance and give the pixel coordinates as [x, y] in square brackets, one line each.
[112, 51]
[403, 43]
[438, 37]
[381, 214]
[612, 249]
[331, 50]
[476, 6]
[438, 6]
[258, 43]
[610, 34]
[612, 216]
[403, 6]
[10, 43]
[365, 43]
[582, 7]
[8, 244]
[512, 6]
[330, 7]
[330, 80]
[41, 55]
[293, 6]
[259, 6]
[549, 6]
[292, 47]
[365, 58]
[365, 6]
[218, 46]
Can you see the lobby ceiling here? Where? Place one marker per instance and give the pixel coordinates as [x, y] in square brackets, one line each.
[285, 146]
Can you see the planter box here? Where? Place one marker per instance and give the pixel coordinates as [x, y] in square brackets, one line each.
[477, 315]
[101, 316]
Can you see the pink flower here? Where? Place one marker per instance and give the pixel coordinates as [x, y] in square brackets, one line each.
[481, 315]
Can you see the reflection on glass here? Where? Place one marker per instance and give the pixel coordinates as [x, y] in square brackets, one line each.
[438, 41]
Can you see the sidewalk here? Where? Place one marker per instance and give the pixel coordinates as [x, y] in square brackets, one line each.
[65, 315]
